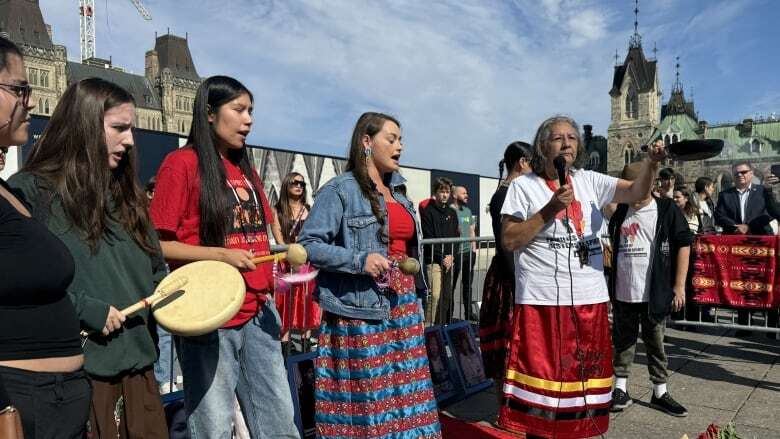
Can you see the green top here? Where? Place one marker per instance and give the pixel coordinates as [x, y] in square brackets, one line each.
[465, 220]
[120, 273]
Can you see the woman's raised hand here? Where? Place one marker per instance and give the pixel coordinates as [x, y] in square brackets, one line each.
[376, 264]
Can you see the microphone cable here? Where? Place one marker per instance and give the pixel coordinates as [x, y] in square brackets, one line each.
[576, 321]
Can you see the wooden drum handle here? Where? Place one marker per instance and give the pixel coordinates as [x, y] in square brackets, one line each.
[172, 286]
[295, 255]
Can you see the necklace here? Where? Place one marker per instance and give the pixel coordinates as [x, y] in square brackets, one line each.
[249, 223]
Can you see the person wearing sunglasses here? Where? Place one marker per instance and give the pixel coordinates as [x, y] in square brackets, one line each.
[742, 209]
[41, 360]
[301, 312]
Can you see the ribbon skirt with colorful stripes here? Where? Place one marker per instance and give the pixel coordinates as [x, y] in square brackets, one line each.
[558, 381]
[373, 379]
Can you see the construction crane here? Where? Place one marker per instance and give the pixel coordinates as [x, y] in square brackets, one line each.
[87, 25]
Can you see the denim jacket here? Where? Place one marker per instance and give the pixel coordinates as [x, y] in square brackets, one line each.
[338, 235]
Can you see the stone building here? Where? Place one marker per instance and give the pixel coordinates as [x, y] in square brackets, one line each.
[163, 95]
[635, 106]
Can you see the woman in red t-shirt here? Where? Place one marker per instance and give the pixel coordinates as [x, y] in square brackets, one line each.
[209, 204]
[296, 302]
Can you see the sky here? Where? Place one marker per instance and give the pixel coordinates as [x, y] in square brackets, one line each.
[464, 77]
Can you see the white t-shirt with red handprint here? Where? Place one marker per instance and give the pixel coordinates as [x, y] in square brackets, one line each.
[635, 251]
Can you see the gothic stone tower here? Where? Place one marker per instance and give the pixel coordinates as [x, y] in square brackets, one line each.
[636, 96]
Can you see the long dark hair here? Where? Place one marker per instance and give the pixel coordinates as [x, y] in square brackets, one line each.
[72, 160]
[215, 203]
[539, 157]
[512, 154]
[283, 209]
[369, 124]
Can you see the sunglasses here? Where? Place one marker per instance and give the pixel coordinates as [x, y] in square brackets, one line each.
[300, 184]
[22, 92]
[738, 173]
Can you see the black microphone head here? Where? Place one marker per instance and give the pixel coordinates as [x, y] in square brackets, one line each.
[560, 166]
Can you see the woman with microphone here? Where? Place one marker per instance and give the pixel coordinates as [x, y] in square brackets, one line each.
[560, 349]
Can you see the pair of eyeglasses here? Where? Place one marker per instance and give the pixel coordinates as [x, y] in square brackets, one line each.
[22, 92]
[738, 173]
[301, 184]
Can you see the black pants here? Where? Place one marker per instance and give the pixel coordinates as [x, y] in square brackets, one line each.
[52, 405]
[464, 262]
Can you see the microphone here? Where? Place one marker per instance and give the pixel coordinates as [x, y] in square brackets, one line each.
[560, 166]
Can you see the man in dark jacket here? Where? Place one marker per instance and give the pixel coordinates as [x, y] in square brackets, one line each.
[651, 245]
[747, 209]
[742, 209]
[439, 220]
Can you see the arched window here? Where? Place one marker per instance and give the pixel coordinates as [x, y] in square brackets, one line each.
[632, 103]
[44, 78]
[594, 160]
[628, 154]
[667, 140]
[46, 104]
[674, 138]
[755, 147]
[40, 105]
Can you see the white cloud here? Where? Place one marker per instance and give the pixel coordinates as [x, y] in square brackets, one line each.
[465, 78]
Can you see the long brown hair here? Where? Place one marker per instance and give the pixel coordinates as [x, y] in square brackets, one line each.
[283, 209]
[689, 209]
[369, 124]
[71, 159]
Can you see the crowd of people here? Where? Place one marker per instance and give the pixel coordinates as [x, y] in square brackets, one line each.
[545, 333]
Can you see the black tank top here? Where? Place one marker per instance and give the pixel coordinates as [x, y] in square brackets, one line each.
[37, 319]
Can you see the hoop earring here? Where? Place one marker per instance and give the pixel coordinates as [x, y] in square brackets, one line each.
[367, 152]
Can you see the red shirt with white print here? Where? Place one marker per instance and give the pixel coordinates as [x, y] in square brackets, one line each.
[175, 209]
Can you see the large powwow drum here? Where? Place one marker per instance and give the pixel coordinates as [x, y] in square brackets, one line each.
[213, 294]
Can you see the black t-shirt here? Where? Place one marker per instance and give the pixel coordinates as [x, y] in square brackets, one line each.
[496, 202]
[37, 318]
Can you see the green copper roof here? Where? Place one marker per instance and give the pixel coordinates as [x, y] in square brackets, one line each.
[767, 134]
[681, 124]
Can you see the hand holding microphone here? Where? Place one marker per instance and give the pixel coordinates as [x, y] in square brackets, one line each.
[563, 197]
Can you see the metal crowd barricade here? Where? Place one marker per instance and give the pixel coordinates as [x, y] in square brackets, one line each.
[447, 300]
[694, 315]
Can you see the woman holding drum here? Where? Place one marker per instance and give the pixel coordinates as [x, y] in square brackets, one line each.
[80, 180]
[372, 371]
[210, 205]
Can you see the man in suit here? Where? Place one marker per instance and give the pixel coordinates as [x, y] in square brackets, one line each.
[743, 208]
[747, 209]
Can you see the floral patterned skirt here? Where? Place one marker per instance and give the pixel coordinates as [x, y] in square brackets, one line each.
[372, 377]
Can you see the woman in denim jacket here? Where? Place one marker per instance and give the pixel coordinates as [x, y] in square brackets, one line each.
[372, 369]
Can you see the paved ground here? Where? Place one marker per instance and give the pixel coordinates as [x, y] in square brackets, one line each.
[718, 377]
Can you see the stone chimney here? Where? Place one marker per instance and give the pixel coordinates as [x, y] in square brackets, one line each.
[746, 128]
[588, 134]
[152, 69]
[702, 131]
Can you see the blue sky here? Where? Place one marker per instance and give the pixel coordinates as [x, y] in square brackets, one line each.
[465, 77]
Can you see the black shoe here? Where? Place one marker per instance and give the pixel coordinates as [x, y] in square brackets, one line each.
[667, 404]
[620, 400]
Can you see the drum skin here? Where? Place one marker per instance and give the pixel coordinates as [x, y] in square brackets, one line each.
[213, 294]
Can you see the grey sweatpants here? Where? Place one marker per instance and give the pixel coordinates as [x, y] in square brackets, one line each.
[627, 318]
